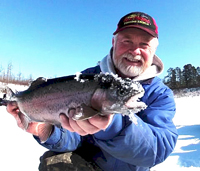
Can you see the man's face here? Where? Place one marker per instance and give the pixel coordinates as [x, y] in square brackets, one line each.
[133, 51]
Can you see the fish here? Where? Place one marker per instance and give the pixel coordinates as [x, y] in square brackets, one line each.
[45, 99]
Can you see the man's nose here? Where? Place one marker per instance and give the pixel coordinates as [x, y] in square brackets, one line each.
[134, 49]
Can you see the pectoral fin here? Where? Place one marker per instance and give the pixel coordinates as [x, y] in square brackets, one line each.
[44, 131]
[24, 120]
[85, 112]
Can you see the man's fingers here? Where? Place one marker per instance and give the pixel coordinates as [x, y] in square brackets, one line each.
[101, 122]
[75, 126]
[82, 127]
[87, 127]
[70, 124]
[71, 112]
[65, 122]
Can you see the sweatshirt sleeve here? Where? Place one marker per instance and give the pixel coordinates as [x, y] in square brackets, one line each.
[148, 141]
[61, 140]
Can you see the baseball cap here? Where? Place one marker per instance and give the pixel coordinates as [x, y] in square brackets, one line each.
[138, 20]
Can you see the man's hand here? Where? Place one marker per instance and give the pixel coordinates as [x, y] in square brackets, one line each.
[33, 127]
[91, 125]
[88, 126]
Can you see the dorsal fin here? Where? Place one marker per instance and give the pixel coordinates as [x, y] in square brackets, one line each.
[41, 81]
[36, 83]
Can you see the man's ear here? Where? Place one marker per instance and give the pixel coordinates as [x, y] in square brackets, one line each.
[113, 41]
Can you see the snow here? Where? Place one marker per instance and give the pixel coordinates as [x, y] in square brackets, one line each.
[185, 156]
[19, 151]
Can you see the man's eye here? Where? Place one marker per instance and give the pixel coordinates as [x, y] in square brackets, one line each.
[144, 44]
[127, 41]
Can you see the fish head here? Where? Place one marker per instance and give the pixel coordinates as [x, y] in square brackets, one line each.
[116, 91]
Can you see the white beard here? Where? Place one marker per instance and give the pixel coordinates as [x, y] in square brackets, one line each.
[131, 71]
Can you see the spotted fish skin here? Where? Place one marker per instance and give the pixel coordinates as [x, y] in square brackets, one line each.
[46, 99]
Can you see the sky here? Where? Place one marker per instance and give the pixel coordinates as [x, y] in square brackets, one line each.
[53, 38]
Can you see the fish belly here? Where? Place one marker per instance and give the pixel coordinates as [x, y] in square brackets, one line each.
[46, 104]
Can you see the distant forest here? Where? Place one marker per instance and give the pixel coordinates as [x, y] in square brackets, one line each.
[188, 77]
[7, 76]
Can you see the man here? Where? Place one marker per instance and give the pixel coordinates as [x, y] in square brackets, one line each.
[119, 143]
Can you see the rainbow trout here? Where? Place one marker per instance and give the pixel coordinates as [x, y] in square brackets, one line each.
[46, 99]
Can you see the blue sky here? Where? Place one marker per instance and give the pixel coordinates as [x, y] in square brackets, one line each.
[54, 38]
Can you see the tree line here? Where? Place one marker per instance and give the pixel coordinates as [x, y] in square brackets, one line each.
[188, 77]
[7, 76]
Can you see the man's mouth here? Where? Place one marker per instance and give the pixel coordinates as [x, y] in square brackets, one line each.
[134, 62]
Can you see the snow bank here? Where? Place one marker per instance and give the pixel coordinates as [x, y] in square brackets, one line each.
[187, 92]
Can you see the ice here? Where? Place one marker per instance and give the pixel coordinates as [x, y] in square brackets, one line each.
[77, 78]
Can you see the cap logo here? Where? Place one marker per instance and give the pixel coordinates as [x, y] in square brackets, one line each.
[138, 20]
[134, 18]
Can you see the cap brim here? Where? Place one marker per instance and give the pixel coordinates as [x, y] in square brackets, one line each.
[139, 27]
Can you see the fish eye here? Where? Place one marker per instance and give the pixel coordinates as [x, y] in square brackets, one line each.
[122, 92]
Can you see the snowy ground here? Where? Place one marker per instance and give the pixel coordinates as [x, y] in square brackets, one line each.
[19, 151]
[186, 156]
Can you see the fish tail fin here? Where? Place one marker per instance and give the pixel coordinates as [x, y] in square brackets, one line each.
[9, 94]
[24, 120]
[44, 131]
[3, 102]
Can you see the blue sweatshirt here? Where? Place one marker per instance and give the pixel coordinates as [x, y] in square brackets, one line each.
[126, 145]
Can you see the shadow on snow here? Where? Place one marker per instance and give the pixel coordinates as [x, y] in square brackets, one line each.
[189, 152]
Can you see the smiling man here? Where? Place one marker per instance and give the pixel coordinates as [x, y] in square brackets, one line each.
[114, 142]
[133, 51]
